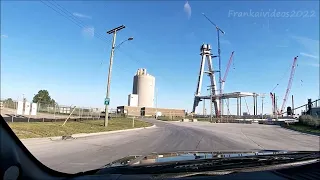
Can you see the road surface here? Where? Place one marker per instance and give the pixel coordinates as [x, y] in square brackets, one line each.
[83, 154]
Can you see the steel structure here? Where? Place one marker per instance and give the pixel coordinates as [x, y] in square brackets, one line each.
[206, 56]
[275, 110]
[220, 112]
[272, 101]
[293, 68]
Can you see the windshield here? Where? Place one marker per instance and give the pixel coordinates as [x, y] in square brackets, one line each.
[86, 83]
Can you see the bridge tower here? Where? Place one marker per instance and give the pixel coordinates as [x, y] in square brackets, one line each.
[205, 52]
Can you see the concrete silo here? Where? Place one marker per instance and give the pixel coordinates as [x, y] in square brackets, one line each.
[144, 86]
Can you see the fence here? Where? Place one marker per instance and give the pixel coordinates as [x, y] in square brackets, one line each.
[54, 111]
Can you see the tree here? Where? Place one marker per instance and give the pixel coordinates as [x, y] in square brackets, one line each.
[9, 100]
[9, 103]
[43, 97]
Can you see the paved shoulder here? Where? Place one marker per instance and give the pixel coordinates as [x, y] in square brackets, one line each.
[264, 136]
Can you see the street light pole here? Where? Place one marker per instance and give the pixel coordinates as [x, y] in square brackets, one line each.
[210, 88]
[276, 107]
[156, 103]
[211, 104]
[262, 108]
[114, 32]
[262, 98]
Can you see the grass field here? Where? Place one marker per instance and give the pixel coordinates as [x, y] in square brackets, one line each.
[304, 128]
[48, 129]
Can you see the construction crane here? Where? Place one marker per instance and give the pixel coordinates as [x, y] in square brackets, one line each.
[223, 80]
[220, 110]
[293, 68]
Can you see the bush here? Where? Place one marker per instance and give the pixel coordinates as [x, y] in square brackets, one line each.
[309, 121]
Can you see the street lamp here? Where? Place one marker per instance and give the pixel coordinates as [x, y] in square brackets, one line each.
[107, 99]
[129, 39]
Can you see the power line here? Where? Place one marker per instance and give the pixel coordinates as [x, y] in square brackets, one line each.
[43, 2]
[68, 15]
[97, 34]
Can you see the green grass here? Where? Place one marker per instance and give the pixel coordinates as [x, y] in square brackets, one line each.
[48, 129]
[303, 128]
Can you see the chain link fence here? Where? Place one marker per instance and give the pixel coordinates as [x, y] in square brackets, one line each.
[54, 111]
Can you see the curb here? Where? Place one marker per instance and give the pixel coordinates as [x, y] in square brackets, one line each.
[56, 138]
[82, 135]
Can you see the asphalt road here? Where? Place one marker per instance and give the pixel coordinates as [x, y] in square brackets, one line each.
[83, 154]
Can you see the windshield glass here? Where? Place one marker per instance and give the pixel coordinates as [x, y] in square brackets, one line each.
[86, 83]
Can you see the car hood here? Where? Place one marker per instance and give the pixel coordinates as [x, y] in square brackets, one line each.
[187, 155]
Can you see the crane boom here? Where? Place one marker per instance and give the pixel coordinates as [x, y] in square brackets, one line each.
[227, 70]
[289, 83]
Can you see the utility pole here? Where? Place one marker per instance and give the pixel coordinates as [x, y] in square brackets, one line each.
[204, 107]
[156, 103]
[276, 107]
[262, 97]
[210, 105]
[107, 100]
[210, 89]
[292, 105]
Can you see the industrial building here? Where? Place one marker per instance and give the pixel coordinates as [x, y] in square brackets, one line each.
[133, 100]
[129, 110]
[143, 90]
[141, 100]
[147, 111]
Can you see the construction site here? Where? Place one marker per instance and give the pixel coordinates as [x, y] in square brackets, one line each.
[218, 98]
[142, 99]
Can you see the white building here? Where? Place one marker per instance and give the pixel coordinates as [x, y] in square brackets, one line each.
[133, 100]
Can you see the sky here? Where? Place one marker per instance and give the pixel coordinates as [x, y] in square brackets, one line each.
[63, 47]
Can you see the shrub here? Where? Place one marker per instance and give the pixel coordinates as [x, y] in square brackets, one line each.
[309, 120]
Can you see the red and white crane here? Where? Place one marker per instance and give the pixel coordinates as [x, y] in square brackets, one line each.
[293, 68]
[227, 71]
[274, 108]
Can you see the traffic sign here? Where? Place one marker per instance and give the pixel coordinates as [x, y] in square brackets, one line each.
[106, 101]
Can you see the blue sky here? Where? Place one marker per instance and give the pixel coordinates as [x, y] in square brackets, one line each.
[41, 49]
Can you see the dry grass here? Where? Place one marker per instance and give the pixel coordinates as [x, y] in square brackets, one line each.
[48, 129]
